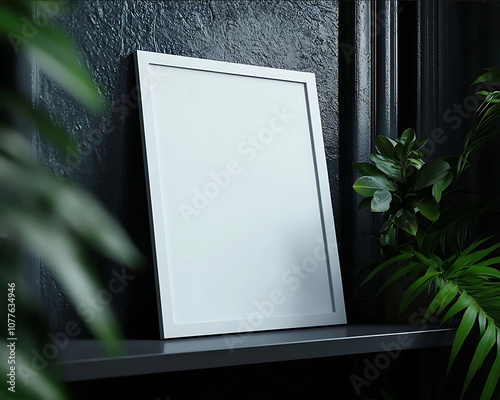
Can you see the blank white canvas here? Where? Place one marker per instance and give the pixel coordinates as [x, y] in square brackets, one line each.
[239, 196]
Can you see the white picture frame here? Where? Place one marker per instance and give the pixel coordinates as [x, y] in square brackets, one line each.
[241, 215]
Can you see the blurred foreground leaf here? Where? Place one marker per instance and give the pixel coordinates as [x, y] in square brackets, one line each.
[54, 51]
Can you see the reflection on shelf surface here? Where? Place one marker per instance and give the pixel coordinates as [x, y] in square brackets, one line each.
[86, 359]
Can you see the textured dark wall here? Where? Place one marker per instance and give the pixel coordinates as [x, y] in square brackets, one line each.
[296, 35]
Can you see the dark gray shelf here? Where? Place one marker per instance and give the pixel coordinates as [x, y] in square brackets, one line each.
[86, 360]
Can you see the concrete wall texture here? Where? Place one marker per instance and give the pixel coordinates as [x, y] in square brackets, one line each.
[296, 35]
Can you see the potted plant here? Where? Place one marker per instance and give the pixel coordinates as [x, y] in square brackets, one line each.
[428, 233]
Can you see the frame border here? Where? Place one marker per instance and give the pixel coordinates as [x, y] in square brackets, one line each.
[143, 60]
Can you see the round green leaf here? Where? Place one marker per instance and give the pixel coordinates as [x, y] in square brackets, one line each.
[368, 185]
[381, 201]
[384, 146]
[429, 208]
[419, 143]
[407, 221]
[430, 173]
[387, 166]
[388, 237]
[367, 169]
[364, 203]
[407, 137]
[439, 186]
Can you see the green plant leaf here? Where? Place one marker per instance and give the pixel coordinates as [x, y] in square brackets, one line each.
[486, 343]
[467, 259]
[387, 166]
[463, 331]
[14, 147]
[486, 263]
[368, 185]
[439, 186]
[481, 321]
[364, 203]
[442, 299]
[384, 146]
[89, 220]
[418, 144]
[482, 272]
[79, 211]
[381, 201]
[474, 245]
[398, 151]
[407, 221]
[67, 261]
[450, 292]
[429, 208]
[408, 136]
[453, 161]
[494, 375]
[52, 217]
[430, 173]
[407, 140]
[491, 97]
[388, 237]
[367, 169]
[416, 162]
[484, 93]
[400, 273]
[416, 288]
[385, 264]
[493, 76]
[477, 144]
[456, 224]
[430, 261]
[56, 54]
[19, 106]
[462, 302]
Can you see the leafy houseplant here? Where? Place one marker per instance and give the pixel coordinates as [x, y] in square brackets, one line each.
[59, 221]
[431, 229]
